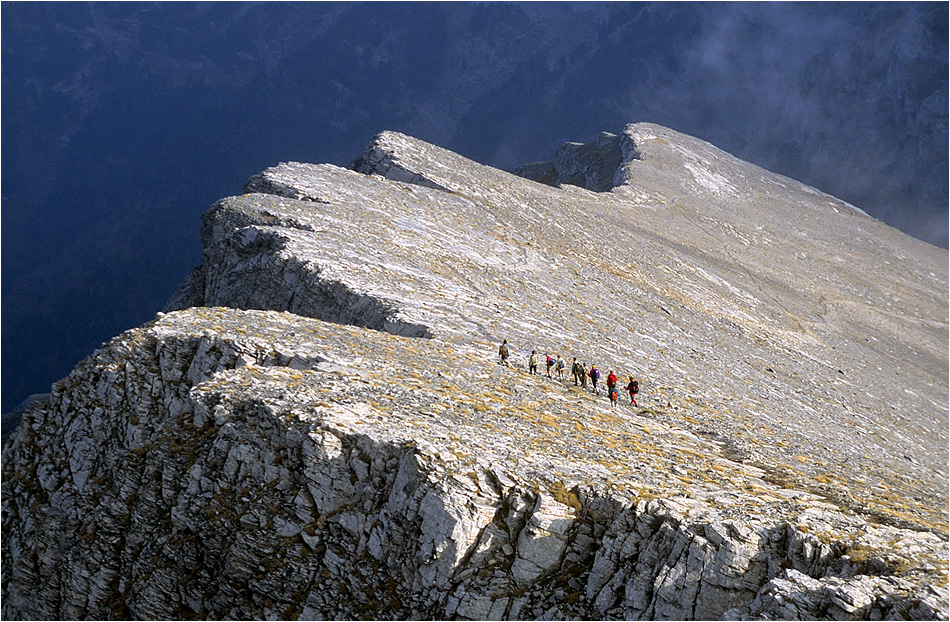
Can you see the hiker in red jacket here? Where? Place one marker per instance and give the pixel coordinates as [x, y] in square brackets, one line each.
[634, 388]
[611, 380]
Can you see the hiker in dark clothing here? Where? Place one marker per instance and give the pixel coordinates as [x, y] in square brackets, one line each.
[634, 388]
[594, 377]
[576, 371]
[533, 362]
[503, 352]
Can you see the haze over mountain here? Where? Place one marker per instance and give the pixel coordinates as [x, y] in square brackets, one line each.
[123, 122]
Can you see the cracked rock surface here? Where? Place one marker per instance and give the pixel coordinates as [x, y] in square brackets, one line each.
[318, 426]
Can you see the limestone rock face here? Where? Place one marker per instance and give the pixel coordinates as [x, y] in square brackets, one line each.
[596, 166]
[318, 426]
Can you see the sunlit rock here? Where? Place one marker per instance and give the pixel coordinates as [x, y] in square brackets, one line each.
[319, 428]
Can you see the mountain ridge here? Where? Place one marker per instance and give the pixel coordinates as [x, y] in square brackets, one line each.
[316, 426]
[120, 196]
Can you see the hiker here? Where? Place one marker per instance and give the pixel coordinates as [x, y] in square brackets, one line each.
[503, 352]
[560, 367]
[584, 376]
[634, 388]
[594, 376]
[576, 371]
[614, 395]
[533, 362]
[611, 380]
[550, 363]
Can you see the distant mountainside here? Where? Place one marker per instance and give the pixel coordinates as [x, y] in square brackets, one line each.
[318, 425]
[122, 122]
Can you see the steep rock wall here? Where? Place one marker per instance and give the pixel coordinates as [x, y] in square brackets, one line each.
[597, 166]
[249, 262]
[202, 466]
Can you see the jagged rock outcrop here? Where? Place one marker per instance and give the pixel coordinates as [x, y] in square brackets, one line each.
[12, 419]
[330, 437]
[597, 166]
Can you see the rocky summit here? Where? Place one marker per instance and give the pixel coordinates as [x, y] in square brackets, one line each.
[318, 425]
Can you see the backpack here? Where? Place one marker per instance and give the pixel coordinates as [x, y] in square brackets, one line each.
[560, 364]
[595, 374]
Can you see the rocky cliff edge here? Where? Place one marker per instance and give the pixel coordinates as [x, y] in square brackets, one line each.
[321, 429]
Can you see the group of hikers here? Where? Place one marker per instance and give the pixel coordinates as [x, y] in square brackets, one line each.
[579, 372]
